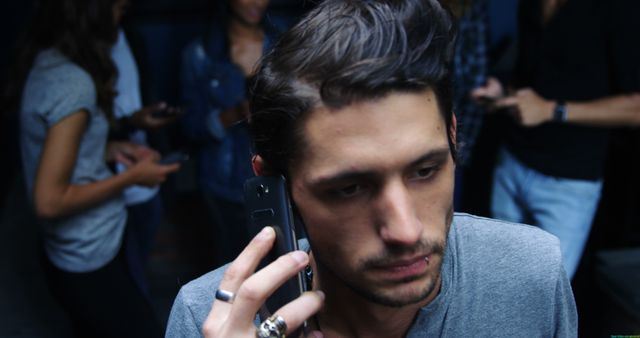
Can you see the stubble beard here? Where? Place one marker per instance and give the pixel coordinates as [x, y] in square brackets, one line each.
[376, 294]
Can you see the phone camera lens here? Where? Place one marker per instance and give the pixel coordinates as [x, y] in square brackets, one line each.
[262, 190]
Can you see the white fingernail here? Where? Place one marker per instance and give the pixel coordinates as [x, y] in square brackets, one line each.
[265, 233]
[299, 256]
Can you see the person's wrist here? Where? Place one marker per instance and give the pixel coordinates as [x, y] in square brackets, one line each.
[560, 112]
[131, 175]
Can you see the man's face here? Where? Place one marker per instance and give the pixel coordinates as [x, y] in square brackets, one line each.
[374, 188]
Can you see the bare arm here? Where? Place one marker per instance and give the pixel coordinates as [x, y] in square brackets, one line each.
[620, 110]
[54, 194]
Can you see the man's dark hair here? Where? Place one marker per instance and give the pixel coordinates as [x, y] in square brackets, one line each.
[343, 52]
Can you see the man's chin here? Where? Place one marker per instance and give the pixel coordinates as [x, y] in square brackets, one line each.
[401, 292]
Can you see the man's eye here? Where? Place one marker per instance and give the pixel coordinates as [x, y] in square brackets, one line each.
[349, 191]
[425, 173]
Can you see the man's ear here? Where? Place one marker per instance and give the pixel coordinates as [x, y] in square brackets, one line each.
[258, 165]
[454, 129]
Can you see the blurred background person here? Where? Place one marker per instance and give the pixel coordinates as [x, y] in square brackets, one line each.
[572, 57]
[470, 68]
[214, 76]
[144, 204]
[64, 91]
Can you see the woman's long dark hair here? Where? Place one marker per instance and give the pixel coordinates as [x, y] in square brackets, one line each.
[84, 31]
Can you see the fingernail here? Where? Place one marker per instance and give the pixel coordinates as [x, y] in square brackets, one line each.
[320, 293]
[317, 334]
[299, 256]
[265, 233]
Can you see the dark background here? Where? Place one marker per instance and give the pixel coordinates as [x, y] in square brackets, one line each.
[157, 31]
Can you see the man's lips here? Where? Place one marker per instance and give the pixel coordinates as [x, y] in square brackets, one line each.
[404, 268]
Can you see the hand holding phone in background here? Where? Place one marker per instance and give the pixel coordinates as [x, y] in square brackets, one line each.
[489, 93]
[155, 116]
[494, 98]
[174, 157]
[144, 165]
[128, 153]
[149, 172]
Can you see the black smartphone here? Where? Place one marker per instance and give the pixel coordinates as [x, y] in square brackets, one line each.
[167, 112]
[174, 157]
[267, 204]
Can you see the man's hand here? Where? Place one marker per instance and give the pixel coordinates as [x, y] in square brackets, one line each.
[154, 116]
[530, 110]
[235, 319]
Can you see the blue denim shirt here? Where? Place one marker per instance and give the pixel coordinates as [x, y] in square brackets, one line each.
[469, 72]
[211, 83]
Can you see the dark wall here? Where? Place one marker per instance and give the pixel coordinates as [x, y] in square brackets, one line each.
[13, 19]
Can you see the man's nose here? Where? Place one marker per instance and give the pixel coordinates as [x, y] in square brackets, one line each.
[398, 221]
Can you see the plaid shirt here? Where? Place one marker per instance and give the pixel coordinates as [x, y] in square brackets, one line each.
[469, 72]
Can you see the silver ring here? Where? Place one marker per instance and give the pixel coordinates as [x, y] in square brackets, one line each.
[225, 296]
[273, 327]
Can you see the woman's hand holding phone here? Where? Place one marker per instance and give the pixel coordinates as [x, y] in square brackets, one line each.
[144, 164]
[149, 172]
[155, 116]
[251, 289]
[129, 153]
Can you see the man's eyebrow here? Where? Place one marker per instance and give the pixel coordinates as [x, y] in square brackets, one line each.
[437, 155]
[343, 176]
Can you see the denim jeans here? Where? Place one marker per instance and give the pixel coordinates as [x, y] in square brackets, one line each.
[561, 206]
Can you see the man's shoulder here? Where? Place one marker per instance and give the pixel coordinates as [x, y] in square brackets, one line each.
[490, 230]
[483, 226]
[193, 303]
[496, 269]
[518, 247]
[201, 290]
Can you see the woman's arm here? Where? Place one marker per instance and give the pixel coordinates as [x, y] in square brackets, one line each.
[54, 194]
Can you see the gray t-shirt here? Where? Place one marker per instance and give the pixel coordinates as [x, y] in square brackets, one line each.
[55, 89]
[498, 280]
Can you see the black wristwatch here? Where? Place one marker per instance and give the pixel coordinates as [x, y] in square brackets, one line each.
[560, 112]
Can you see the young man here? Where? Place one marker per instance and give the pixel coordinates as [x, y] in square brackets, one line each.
[353, 107]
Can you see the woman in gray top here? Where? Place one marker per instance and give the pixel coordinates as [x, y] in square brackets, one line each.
[65, 92]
